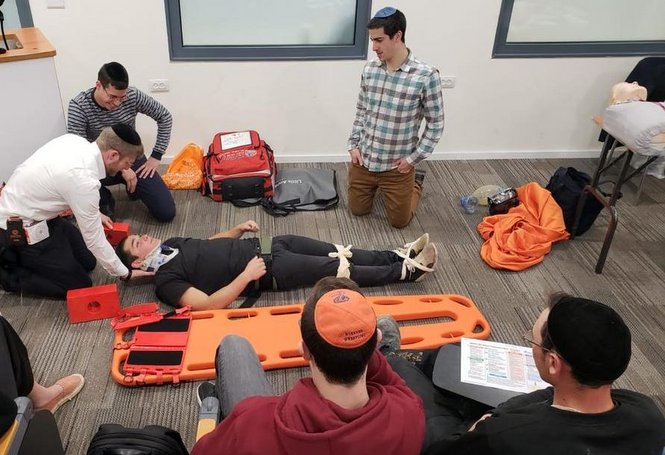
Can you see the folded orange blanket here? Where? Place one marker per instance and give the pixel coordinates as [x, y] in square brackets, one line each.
[523, 236]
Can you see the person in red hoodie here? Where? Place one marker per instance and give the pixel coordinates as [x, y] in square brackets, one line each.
[352, 404]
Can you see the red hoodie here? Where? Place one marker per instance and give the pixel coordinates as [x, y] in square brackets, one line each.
[303, 422]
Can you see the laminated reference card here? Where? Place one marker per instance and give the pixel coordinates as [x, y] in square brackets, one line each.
[499, 365]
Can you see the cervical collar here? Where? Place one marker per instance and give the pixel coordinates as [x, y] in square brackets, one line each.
[158, 257]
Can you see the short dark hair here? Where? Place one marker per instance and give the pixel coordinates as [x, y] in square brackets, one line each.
[338, 365]
[392, 24]
[125, 256]
[546, 342]
[115, 74]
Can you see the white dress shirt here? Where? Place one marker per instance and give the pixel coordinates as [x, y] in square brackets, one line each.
[63, 174]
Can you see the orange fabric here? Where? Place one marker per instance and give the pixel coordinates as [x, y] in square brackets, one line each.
[523, 236]
[186, 170]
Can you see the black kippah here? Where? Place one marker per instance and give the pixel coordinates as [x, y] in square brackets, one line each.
[127, 133]
[591, 337]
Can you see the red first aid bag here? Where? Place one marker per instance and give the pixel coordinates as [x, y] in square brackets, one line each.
[239, 167]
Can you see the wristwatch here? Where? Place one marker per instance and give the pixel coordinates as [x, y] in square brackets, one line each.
[128, 277]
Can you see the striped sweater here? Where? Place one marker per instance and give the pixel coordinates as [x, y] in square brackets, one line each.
[87, 119]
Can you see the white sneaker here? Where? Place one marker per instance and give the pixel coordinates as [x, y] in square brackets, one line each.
[413, 249]
[416, 268]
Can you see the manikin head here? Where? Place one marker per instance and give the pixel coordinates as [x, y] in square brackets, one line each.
[627, 91]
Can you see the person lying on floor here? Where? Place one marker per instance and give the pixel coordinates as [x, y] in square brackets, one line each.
[210, 274]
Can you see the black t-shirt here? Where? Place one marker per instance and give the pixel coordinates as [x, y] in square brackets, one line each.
[528, 424]
[207, 265]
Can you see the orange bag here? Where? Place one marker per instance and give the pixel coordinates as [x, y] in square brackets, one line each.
[186, 170]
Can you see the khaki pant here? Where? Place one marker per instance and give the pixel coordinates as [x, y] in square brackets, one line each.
[400, 191]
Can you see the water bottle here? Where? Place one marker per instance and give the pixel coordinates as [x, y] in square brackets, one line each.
[469, 204]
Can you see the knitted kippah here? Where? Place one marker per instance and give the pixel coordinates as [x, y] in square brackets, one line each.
[344, 319]
[385, 12]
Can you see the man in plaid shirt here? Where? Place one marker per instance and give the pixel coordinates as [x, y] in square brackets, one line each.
[396, 92]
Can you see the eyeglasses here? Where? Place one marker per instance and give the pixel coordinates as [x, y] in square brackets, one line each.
[528, 338]
[114, 97]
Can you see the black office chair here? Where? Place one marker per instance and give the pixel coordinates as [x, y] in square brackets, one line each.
[649, 73]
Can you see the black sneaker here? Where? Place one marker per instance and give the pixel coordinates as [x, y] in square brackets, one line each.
[205, 390]
[420, 177]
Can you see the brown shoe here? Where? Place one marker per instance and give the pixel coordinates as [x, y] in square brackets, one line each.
[71, 385]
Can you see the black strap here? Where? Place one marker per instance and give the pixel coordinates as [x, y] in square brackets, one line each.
[274, 209]
[255, 288]
[250, 300]
[247, 202]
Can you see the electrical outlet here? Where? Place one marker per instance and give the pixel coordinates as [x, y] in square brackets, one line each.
[448, 81]
[159, 85]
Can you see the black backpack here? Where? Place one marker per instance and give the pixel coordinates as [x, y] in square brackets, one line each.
[112, 439]
[566, 186]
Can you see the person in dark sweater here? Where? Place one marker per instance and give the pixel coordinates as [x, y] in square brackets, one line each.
[580, 347]
[112, 100]
[353, 403]
[212, 273]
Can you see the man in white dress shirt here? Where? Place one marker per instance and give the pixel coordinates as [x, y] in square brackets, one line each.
[42, 254]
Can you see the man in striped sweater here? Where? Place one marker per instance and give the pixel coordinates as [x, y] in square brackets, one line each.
[113, 101]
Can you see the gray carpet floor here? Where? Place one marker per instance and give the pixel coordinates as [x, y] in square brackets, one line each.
[633, 282]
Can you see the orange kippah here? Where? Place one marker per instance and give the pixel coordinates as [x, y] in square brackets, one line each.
[344, 318]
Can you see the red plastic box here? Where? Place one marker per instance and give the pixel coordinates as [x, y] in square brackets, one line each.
[90, 304]
[115, 235]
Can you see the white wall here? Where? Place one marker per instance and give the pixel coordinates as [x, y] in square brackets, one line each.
[500, 107]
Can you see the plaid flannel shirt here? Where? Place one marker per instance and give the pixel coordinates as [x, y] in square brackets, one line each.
[390, 110]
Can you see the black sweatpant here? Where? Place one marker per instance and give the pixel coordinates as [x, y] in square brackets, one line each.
[49, 268]
[301, 261]
[447, 415]
[152, 191]
[15, 373]
[16, 378]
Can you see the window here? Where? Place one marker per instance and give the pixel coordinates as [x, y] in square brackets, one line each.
[17, 14]
[584, 28]
[267, 29]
